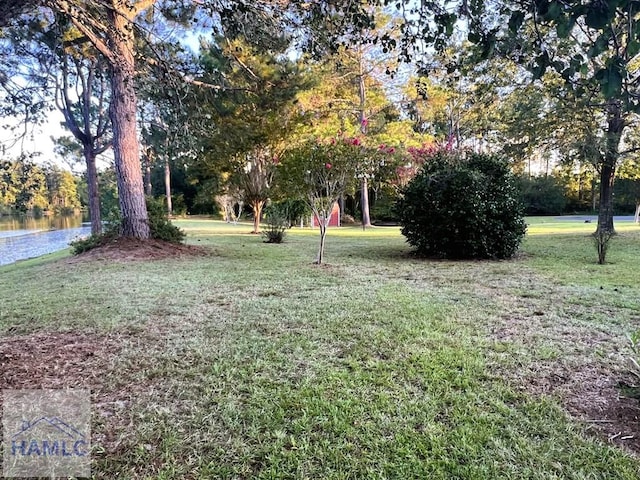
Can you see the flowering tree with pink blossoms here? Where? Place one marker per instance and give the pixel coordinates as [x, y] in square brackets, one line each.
[319, 172]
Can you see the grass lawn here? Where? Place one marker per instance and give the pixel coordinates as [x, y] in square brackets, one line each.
[251, 362]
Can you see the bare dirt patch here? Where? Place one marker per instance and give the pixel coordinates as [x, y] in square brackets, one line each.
[599, 402]
[131, 249]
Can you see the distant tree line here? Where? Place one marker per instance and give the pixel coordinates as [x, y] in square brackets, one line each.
[26, 187]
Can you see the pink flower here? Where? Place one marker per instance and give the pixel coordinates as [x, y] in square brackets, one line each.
[391, 150]
[449, 146]
[355, 141]
[365, 122]
[327, 166]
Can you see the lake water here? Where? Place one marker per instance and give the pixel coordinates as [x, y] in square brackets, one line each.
[27, 237]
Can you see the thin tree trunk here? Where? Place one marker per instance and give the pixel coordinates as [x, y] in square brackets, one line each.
[605, 205]
[257, 213]
[148, 187]
[323, 234]
[636, 219]
[615, 127]
[227, 212]
[167, 186]
[126, 149]
[148, 159]
[364, 200]
[364, 195]
[92, 188]
[240, 207]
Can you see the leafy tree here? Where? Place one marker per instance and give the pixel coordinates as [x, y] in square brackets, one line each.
[580, 186]
[62, 193]
[31, 188]
[352, 97]
[255, 181]
[461, 107]
[82, 96]
[593, 47]
[71, 74]
[8, 183]
[248, 123]
[319, 173]
[543, 195]
[25, 186]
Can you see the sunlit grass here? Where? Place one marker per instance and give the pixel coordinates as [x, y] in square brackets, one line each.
[255, 363]
[565, 228]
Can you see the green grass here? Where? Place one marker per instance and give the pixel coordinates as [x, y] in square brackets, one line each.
[255, 363]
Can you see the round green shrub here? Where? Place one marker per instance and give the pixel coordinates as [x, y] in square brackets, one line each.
[160, 226]
[462, 206]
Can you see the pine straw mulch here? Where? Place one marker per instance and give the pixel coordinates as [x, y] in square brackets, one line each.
[131, 249]
[56, 360]
[591, 394]
[76, 360]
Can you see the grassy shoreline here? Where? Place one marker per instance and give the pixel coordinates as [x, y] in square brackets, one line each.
[253, 363]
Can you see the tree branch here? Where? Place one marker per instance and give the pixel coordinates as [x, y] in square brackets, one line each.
[240, 61]
[139, 7]
[78, 19]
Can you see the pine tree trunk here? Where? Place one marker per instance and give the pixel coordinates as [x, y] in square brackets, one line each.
[167, 186]
[126, 149]
[615, 127]
[92, 188]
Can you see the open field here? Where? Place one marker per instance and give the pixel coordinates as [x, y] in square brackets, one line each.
[248, 361]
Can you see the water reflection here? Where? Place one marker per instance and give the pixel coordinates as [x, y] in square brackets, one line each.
[27, 237]
[38, 224]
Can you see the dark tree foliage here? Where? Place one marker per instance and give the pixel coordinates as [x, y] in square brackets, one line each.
[462, 206]
[10, 9]
[542, 195]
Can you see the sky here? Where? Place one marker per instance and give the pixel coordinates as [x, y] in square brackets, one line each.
[38, 140]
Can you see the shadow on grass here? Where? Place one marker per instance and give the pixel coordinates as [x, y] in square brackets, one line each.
[378, 252]
[393, 253]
